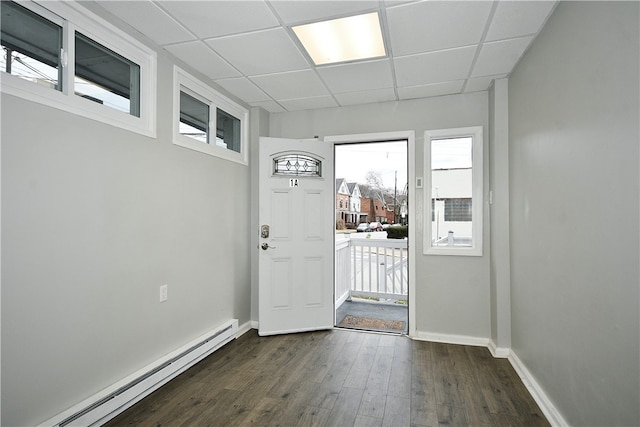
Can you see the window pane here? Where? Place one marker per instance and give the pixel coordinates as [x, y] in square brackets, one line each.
[105, 77]
[297, 165]
[194, 118]
[31, 46]
[451, 193]
[457, 209]
[227, 131]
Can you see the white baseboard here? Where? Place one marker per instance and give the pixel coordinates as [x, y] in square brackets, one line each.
[546, 405]
[255, 324]
[244, 328]
[341, 300]
[498, 352]
[451, 339]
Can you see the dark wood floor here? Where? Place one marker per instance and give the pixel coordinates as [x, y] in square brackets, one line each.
[340, 378]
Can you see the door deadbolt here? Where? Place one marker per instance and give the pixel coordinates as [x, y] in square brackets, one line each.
[264, 231]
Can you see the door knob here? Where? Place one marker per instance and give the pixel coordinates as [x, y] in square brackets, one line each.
[266, 246]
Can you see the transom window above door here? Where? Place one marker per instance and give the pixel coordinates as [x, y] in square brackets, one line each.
[297, 165]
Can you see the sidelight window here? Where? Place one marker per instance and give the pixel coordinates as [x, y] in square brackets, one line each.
[453, 199]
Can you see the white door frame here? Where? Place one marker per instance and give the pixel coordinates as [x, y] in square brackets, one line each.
[409, 136]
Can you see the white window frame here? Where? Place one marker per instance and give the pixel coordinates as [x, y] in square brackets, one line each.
[202, 91]
[73, 17]
[476, 133]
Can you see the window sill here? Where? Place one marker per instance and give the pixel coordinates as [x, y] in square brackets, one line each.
[12, 85]
[459, 251]
[211, 150]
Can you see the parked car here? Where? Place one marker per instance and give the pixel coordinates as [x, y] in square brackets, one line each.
[375, 226]
[362, 227]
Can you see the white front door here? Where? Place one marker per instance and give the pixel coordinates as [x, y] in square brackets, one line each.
[296, 218]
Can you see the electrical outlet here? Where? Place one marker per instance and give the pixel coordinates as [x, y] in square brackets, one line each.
[164, 293]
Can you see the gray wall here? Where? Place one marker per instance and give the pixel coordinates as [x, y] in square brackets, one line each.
[94, 220]
[500, 274]
[452, 293]
[573, 129]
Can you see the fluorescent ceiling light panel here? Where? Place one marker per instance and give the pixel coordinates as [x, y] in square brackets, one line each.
[344, 39]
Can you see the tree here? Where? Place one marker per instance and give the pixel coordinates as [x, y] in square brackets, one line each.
[376, 186]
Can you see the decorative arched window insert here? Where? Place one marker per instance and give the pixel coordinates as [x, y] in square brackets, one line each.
[293, 164]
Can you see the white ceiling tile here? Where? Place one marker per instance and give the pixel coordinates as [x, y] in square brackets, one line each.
[244, 89]
[500, 57]
[270, 106]
[479, 84]
[249, 50]
[218, 18]
[263, 52]
[366, 96]
[436, 89]
[203, 59]
[150, 20]
[392, 3]
[518, 18]
[292, 85]
[357, 76]
[434, 67]
[315, 10]
[308, 103]
[429, 26]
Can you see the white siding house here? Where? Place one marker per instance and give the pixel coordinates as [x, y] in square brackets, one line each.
[452, 193]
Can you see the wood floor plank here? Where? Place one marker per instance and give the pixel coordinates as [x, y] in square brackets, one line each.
[397, 411]
[380, 371]
[340, 378]
[319, 366]
[346, 408]
[319, 395]
[359, 373]
[313, 416]
[372, 404]
[451, 416]
[400, 376]
[366, 421]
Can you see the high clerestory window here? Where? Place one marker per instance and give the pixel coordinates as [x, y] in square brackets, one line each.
[207, 121]
[31, 45]
[106, 77]
[84, 66]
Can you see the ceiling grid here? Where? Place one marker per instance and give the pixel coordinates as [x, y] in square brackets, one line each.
[434, 48]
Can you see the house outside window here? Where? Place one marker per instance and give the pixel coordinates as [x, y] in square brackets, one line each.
[453, 192]
[458, 209]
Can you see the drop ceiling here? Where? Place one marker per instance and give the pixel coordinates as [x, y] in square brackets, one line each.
[247, 47]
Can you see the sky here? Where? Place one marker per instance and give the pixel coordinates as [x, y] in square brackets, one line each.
[353, 161]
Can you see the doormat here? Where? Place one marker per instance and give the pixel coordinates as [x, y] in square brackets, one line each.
[357, 322]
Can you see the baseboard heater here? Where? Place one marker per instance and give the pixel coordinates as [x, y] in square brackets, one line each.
[115, 402]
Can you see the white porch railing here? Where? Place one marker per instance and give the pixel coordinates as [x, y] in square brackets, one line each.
[371, 267]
